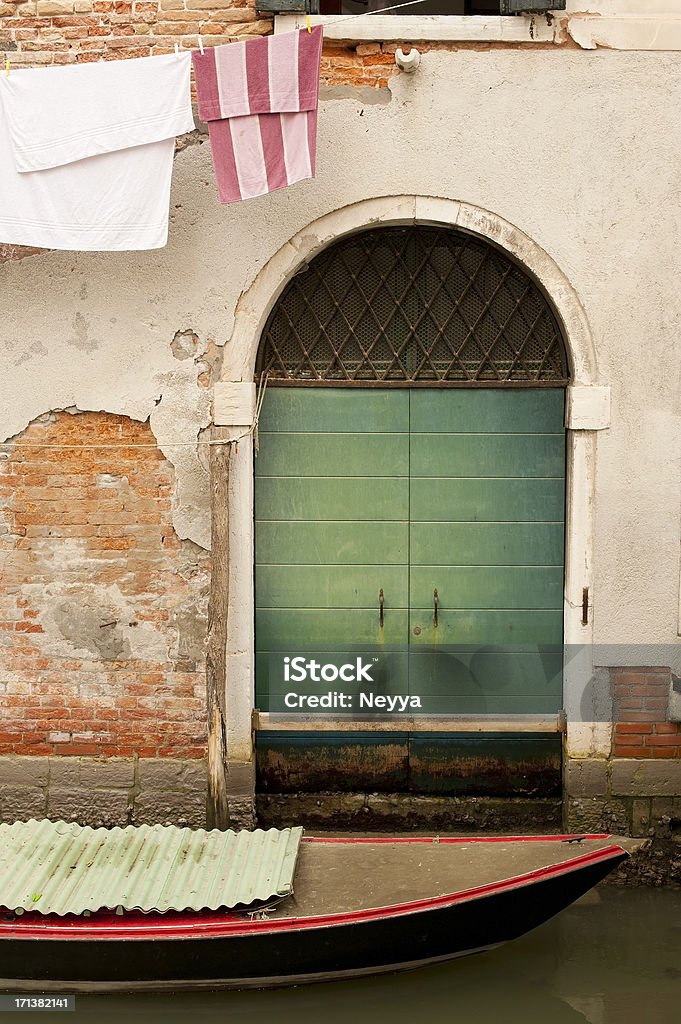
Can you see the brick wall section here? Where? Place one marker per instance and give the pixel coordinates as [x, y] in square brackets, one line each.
[9, 252]
[102, 607]
[640, 704]
[365, 65]
[41, 32]
[373, 64]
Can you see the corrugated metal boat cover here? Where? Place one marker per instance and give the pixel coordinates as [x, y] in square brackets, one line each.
[58, 867]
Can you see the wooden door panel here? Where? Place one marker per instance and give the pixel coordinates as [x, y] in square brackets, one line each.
[332, 508]
[486, 505]
[469, 626]
[335, 410]
[491, 500]
[487, 455]
[319, 499]
[486, 671]
[462, 491]
[332, 586]
[488, 586]
[477, 543]
[353, 455]
[283, 628]
[332, 543]
[487, 681]
[498, 706]
[487, 410]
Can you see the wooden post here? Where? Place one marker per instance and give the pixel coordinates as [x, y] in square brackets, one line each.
[216, 641]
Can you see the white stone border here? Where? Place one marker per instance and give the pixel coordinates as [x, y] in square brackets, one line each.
[436, 28]
[253, 309]
[590, 31]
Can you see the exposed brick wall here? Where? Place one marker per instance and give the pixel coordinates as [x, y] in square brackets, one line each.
[640, 705]
[39, 32]
[102, 607]
[367, 64]
[372, 64]
[9, 252]
[74, 31]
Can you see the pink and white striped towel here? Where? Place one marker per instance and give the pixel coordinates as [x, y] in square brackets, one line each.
[260, 99]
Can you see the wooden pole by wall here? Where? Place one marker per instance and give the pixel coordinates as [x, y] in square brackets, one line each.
[216, 641]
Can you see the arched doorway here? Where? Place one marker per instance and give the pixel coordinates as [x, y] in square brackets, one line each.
[410, 493]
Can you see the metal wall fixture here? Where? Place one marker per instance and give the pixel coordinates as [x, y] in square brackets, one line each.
[407, 61]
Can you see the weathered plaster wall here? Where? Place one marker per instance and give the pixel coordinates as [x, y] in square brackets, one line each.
[97, 348]
[551, 142]
[578, 150]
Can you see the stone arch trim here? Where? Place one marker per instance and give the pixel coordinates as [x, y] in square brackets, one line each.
[257, 301]
[584, 738]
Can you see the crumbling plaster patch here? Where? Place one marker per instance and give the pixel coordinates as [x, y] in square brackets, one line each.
[362, 94]
[628, 33]
[182, 412]
[16, 252]
[166, 392]
[105, 628]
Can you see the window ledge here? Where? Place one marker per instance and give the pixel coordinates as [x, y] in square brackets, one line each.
[389, 28]
[590, 32]
[280, 722]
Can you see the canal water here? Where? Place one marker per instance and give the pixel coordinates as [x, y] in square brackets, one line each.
[612, 958]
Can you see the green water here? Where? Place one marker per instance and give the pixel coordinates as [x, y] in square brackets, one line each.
[613, 958]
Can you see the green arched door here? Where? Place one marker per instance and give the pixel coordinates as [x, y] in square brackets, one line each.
[412, 503]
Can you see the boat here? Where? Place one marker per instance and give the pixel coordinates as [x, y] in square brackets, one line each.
[357, 906]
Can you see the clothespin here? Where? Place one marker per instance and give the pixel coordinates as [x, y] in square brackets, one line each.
[200, 43]
[7, 65]
[177, 50]
[309, 27]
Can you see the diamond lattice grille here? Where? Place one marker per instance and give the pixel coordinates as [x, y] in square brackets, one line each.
[419, 304]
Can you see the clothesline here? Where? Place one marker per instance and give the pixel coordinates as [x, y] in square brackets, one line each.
[86, 447]
[368, 14]
[339, 21]
[349, 17]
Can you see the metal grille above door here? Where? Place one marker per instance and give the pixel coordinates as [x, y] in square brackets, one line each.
[413, 306]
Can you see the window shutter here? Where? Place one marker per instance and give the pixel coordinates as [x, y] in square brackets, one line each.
[288, 6]
[531, 6]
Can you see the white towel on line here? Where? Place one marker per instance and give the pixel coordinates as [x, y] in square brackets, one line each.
[86, 152]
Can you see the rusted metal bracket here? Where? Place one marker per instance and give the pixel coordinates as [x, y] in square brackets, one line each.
[585, 606]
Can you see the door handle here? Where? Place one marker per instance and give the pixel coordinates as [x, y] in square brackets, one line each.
[436, 602]
[381, 601]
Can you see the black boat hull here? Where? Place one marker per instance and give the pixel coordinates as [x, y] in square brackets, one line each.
[298, 953]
